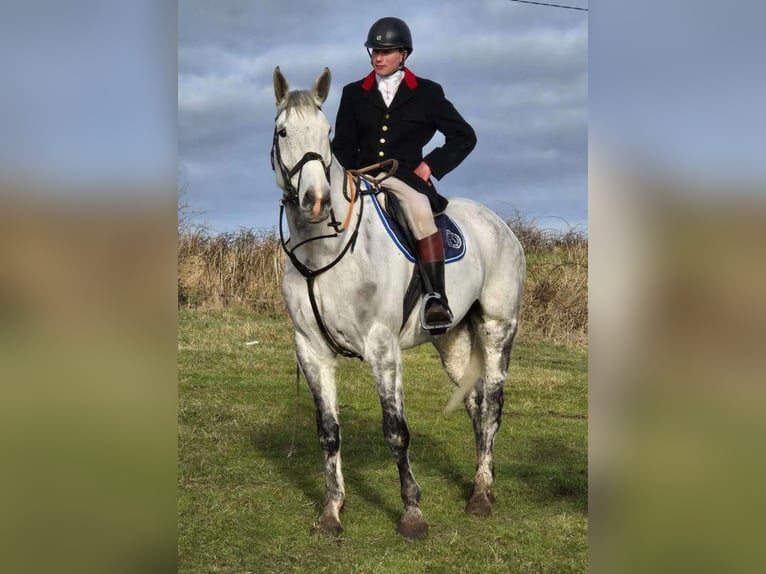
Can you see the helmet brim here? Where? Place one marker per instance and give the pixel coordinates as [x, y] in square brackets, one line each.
[382, 46]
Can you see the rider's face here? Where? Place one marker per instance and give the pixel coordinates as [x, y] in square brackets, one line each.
[386, 62]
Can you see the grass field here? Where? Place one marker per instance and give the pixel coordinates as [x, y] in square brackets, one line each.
[245, 506]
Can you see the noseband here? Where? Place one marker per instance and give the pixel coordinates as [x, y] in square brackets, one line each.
[291, 193]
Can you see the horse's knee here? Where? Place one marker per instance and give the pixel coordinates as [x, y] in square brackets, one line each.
[396, 432]
[329, 435]
[397, 440]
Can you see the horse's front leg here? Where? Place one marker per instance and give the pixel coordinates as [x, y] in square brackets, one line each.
[384, 356]
[319, 371]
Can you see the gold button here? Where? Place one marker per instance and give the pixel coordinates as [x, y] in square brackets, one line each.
[382, 140]
[381, 153]
[385, 128]
[387, 116]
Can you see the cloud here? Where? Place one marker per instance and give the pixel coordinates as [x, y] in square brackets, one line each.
[519, 76]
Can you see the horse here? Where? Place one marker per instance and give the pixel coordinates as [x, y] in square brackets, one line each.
[344, 285]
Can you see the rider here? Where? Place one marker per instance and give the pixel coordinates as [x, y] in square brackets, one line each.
[395, 121]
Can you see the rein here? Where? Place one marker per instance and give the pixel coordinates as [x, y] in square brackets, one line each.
[291, 196]
[311, 274]
[351, 180]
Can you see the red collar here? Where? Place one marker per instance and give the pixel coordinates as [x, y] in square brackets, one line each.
[409, 79]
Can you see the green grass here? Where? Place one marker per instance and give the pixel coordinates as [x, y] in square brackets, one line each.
[244, 506]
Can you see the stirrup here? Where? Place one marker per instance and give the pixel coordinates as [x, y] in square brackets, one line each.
[434, 328]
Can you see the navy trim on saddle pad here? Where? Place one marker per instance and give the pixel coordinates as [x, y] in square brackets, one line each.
[454, 240]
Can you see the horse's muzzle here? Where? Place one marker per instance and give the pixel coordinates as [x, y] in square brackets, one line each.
[315, 206]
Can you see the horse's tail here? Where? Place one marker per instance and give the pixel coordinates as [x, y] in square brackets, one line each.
[473, 372]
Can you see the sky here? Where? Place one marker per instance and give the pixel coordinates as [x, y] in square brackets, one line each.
[518, 73]
[95, 92]
[87, 93]
[679, 86]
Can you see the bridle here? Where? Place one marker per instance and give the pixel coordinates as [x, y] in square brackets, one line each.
[351, 192]
[290, 192]
[290, 196]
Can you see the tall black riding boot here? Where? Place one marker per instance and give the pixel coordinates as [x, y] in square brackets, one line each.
[435, 315]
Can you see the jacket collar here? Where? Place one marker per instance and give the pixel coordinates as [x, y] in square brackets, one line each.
[409, 79]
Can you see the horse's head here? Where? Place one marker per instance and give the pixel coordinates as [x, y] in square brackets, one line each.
[301, 153]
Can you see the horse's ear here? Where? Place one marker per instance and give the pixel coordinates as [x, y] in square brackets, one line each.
[281, 87]
[322, 87]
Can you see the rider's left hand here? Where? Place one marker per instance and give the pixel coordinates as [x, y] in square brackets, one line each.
[423, 172]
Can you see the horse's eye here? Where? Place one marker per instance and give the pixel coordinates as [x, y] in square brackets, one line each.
[282, 133]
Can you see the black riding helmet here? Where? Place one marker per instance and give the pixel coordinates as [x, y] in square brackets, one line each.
[389, 33]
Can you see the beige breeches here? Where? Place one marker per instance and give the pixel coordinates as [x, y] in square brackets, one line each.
[415, 205]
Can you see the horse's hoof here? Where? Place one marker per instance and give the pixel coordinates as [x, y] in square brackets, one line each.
[479, 505]
[412, 525]
[329, 526]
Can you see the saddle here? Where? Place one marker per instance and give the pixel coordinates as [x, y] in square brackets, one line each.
[389, 210]
[391, 216]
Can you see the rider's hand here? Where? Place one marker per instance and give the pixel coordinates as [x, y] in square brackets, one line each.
[423, 172]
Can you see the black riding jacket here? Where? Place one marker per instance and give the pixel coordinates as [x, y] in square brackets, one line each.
[367, 131]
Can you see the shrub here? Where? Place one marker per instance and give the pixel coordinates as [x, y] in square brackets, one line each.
[244, 268]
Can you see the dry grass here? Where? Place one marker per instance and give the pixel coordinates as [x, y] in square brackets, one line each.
[239, 268]
[556, 298]
[244, 268]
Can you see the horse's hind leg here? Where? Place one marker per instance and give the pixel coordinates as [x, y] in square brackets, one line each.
[455, 349]
[320, 374]
[384, 356]
[485, 405]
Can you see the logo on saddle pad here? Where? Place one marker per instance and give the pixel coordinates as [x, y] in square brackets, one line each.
[453, 239]
[454, 243]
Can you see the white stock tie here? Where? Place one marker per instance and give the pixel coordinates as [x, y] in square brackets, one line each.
[388, 86]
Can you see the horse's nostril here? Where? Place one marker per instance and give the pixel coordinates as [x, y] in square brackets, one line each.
[315, 202]
[311, 198]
